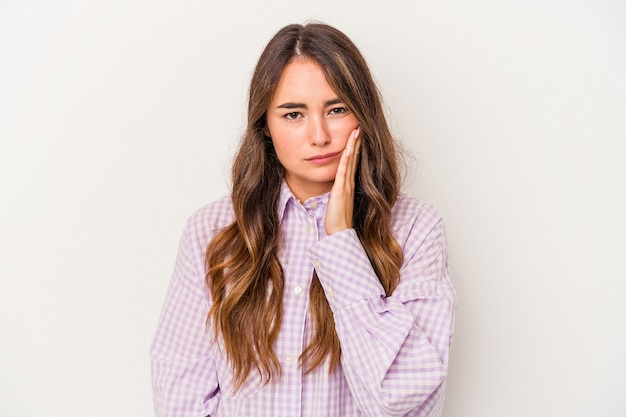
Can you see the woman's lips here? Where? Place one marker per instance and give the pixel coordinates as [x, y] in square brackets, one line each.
[323, 159]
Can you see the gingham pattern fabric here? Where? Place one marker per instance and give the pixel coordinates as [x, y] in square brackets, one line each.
[394, 349]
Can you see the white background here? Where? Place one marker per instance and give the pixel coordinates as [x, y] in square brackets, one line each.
[119, 118]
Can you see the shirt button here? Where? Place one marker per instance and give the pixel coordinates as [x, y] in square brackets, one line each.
[297, 290]
[289, 359]
[308, 229]
[317, 263]
[314, 204]
[330, 294]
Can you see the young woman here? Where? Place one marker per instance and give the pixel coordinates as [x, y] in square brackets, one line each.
[316, 288]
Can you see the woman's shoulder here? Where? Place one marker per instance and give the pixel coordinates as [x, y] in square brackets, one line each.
[209, 219]
[220, 210]
[411, 215]
[408, 206]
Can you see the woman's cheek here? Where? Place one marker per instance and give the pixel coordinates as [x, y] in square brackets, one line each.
[343, 128]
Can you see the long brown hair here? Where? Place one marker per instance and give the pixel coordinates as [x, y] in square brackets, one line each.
[244, 274]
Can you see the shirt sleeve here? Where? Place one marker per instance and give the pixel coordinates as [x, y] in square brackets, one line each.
[184, 380]
[394, 349]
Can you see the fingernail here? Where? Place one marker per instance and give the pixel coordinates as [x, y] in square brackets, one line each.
[358, 132]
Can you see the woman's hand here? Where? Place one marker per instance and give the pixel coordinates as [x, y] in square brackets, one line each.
[341, 202]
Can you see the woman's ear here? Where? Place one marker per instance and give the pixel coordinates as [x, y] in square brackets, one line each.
[266, 132]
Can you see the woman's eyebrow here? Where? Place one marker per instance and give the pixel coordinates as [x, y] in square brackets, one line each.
[293, 105]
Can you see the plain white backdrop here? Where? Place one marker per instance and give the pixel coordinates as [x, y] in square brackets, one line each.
[119, 118]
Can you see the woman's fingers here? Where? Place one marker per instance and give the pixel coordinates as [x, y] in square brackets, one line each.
[348, 162]
[353, 160]
[341, 202]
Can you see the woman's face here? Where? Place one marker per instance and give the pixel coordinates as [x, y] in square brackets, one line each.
[309, 127]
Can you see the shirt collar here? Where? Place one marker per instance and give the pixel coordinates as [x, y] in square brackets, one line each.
[286, 195]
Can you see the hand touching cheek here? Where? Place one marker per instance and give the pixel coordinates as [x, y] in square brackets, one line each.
[341, 202]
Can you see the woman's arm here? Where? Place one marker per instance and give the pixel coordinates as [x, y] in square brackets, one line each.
[394, 349]
[183, 375]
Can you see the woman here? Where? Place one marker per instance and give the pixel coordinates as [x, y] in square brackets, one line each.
[316, 288]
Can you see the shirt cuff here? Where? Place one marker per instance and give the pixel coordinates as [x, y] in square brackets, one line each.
[344, 270]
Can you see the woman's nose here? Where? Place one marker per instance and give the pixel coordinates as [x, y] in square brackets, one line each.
[319, 134]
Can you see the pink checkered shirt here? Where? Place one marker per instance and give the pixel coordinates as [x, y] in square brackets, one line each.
[394, 350]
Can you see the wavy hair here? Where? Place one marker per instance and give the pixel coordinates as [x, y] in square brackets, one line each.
[244, 275]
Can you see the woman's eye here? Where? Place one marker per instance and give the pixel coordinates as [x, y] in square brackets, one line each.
[292, 116]
[339, 110]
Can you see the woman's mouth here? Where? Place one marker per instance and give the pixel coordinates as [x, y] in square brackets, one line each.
[323, 159]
